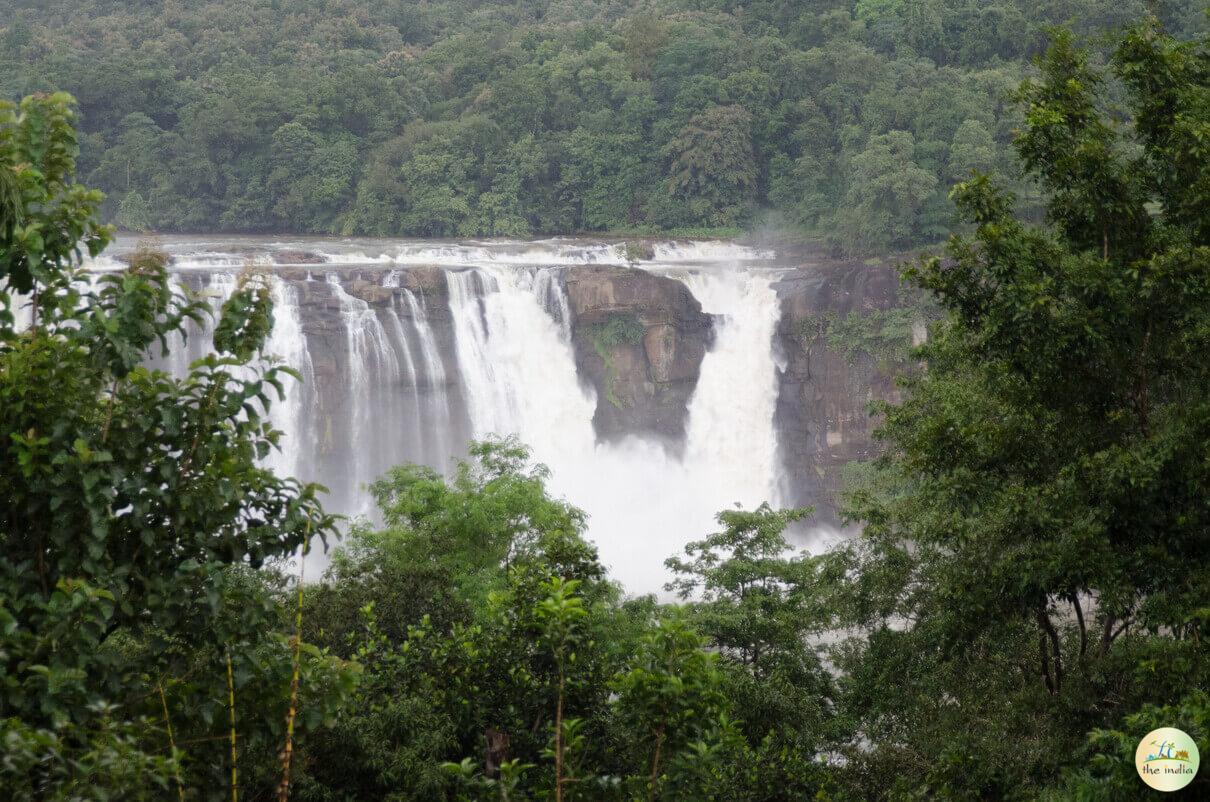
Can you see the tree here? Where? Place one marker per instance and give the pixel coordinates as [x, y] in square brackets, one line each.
[886, 192]
[495, 511]
[288, 118]
[311, 179]
[670, 696]
[1047, 520]
[604, 170]
[134, 214]
[130, 499]
[529, 675]
[759, 607]
[752, 595]
[1112, 770]
[971, 151]
[713, 166]
[482, 611]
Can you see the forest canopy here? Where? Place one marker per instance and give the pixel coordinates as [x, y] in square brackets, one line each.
[842, 122]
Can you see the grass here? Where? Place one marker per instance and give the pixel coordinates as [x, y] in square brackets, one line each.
[618, 330]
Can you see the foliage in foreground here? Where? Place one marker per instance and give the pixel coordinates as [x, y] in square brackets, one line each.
[1036, 555]
[534, 678]
[134, 510]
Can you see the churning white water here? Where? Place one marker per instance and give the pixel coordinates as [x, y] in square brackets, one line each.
[643, 503]
[731, 427]
[518, 371]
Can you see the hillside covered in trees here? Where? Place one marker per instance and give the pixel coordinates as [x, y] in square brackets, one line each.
[844, 122]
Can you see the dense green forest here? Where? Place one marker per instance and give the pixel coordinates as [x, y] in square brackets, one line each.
[1030, 593]
[841, 122]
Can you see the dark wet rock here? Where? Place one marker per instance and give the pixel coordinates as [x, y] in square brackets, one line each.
[639, 340]
[372, 293]
[823, 409]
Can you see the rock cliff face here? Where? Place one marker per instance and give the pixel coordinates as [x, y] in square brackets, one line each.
[639, 339]
[369, 367]
[324, 304]
[827, 385]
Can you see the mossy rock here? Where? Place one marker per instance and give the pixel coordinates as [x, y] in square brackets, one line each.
[638, 250]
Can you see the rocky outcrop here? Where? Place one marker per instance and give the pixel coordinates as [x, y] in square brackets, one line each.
[297, 257]
[639, 339]
[828, 383]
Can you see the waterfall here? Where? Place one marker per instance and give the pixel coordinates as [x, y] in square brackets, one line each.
[370, 366]
[713, 251]
[399, 341]
[518, 370]
[392, 406]
[651, 504]
[549, 290]
[731, 414]
[432, 400]
[21, 307]
[231, 253]
[643, 504]
[392, 374]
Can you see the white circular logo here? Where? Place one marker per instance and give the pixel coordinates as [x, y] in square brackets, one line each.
[1167, 759]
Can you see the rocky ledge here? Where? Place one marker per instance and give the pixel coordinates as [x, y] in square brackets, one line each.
[639, 339]
[844, 335]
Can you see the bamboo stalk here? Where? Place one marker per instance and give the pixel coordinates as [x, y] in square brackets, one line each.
[283, 790]
[180, 785]
[559, 738]
[231, 712]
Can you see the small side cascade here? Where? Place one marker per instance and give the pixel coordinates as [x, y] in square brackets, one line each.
[547, 285]
[370, 364]
[292, 414]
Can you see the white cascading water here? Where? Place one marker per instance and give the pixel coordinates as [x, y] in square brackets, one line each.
[732, 411]
[563, 252]
[21, 309]
[433, 419]
[400, 386]
[643, 504]
[399, 341]
[370, 363]
[288, 344]
[518, 371]
[395, 407]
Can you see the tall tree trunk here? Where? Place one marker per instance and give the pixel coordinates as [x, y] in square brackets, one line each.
[559, 739]
[655, 760]
[1048, 631]
[1075, 602]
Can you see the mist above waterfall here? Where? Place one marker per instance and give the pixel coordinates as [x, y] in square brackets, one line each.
[391, 375]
